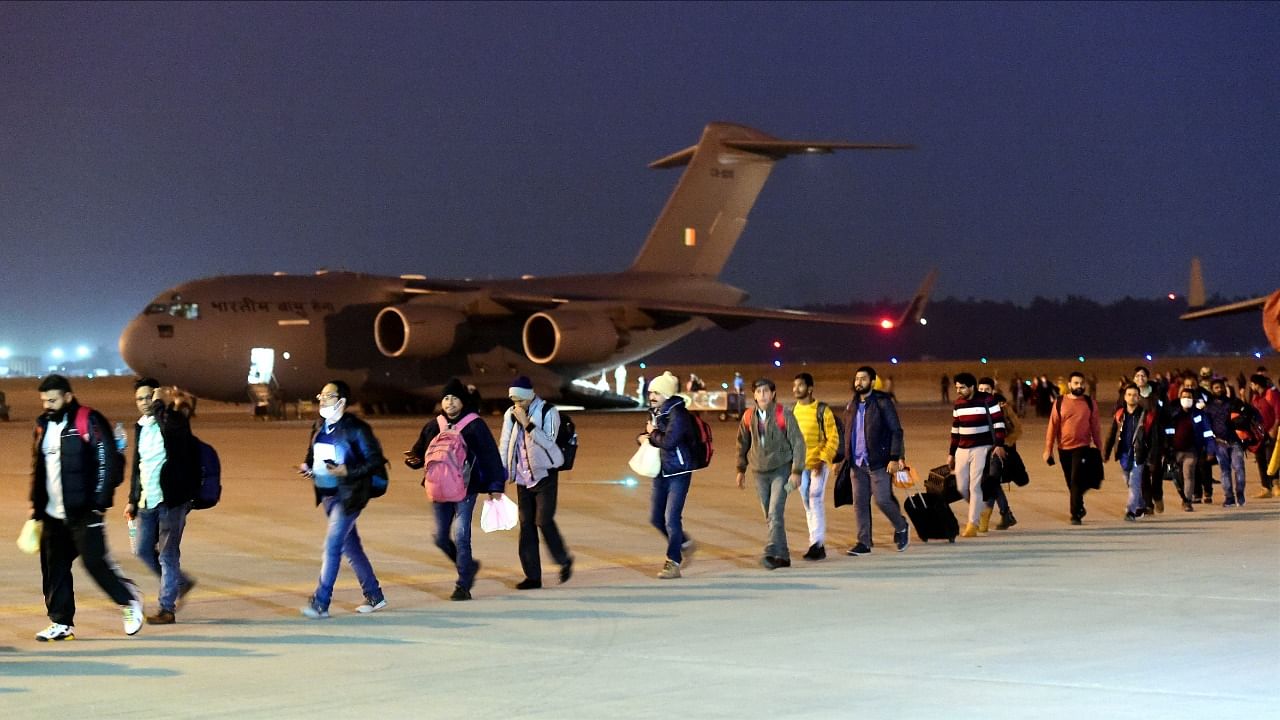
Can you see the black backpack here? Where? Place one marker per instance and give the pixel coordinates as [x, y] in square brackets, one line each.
[210, 490]
[566, 438]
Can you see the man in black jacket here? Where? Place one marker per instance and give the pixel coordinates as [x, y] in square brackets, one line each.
[166, 474]
[75, 468]
[873, 453]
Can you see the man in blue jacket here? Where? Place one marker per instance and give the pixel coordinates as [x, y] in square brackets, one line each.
[342, 459]
[670, 428]
[874, 452]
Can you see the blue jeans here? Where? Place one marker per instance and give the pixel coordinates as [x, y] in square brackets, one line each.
[1133, 478]
[453, 536]
[343, 539]
[666, 508]
[1231, 464]
[159, 548]
[772, 489]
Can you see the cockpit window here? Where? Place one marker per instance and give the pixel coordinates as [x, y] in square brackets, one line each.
[184, 310]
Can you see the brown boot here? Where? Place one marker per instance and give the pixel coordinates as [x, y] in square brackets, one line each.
[970, 530]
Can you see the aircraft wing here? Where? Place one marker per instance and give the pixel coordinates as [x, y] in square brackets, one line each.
[1230, 309]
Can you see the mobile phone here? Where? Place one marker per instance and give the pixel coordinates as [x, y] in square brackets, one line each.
[330, 463]
[1052, 462]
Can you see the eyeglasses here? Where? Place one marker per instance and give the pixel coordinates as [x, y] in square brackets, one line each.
[331, 397]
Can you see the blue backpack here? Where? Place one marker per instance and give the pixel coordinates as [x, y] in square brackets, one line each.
[210, 490]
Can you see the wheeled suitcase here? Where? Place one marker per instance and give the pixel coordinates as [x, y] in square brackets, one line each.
[932, 517]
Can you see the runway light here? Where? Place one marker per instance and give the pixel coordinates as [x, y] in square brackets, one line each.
[1173, 296]
[57, 354]
[286, 355]
[1148, 357]
[643, 366]
[1080, 358]
[82, 352]
[983, 361]
[924, 321]
[777, 363]
[1257, 355]
[630, 482]
[893, 361]
[886, 323]
[777, 344]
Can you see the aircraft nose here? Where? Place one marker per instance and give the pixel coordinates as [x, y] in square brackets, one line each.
[133, 342]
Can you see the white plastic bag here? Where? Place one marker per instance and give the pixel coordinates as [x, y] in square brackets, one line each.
[29, 537]
[500, 514]
[647, 461]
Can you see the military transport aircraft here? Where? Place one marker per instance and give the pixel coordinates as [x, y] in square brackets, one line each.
[399, 339]
[1269, 304]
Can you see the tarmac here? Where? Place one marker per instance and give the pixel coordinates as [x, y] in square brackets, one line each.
[1177, 616]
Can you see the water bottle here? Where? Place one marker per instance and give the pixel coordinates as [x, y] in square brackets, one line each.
[122, 441]
[133, 536]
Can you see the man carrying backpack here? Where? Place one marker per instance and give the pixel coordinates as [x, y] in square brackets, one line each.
[822, 440]
[342, 459]
[671, 430]
[770, 442]
[458, 430]
[76, 467]
[532, 459]
[874, 451]
[1075, 428]
[166, 473]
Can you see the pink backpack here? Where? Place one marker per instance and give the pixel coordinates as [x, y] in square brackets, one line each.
[445, 472]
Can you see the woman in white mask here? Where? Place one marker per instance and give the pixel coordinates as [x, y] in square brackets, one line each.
[342, 458]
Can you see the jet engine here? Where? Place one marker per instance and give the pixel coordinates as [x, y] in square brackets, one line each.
[569, 336]
[420, 331]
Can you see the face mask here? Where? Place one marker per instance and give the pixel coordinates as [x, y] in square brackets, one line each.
[331, 412]
[1077, 391]
[1187, 403]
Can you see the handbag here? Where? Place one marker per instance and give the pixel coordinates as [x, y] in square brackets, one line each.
[29, 537]
[500, 514]
[1086, 468]
[842, 493]
[647, 461]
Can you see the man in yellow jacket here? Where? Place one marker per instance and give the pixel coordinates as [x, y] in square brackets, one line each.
[822, 441]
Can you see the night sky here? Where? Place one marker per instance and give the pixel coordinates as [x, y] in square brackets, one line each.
[1063, 149]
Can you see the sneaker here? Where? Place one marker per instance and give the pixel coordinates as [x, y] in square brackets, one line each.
[370, 606]
[670, 571]
[1240, 499]
[528, 584]
[858, 549]
[314, 611]
[1229, 502]
[1007, 520]
[56, 632]
[566, 571]
[901, 538]
[460, 593]
[163, 617]
[1130, 516]
[816, 552]
[1186, 506]
[133, 617]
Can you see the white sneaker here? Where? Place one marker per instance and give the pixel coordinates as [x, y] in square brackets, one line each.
[313, 611]
[133, 617]
[56, 632]
[371, 607]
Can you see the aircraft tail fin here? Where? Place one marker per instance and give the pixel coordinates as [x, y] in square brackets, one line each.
[707, 212]
[914, 312]
[1195, 289]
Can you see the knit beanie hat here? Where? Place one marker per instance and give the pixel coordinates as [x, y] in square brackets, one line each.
[455, 388]
[521, 389]
[666, 385]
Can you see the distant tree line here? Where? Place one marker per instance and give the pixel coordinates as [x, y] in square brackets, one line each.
[962, 329]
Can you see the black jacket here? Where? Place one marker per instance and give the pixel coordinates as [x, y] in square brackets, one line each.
[180, 474]
[882, 428]
[362, 454]
[487, 473]
[90, 468]
[673, 433]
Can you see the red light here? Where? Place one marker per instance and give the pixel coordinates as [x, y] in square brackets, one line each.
[777, 344]
[1172, 296]
[887, 324]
